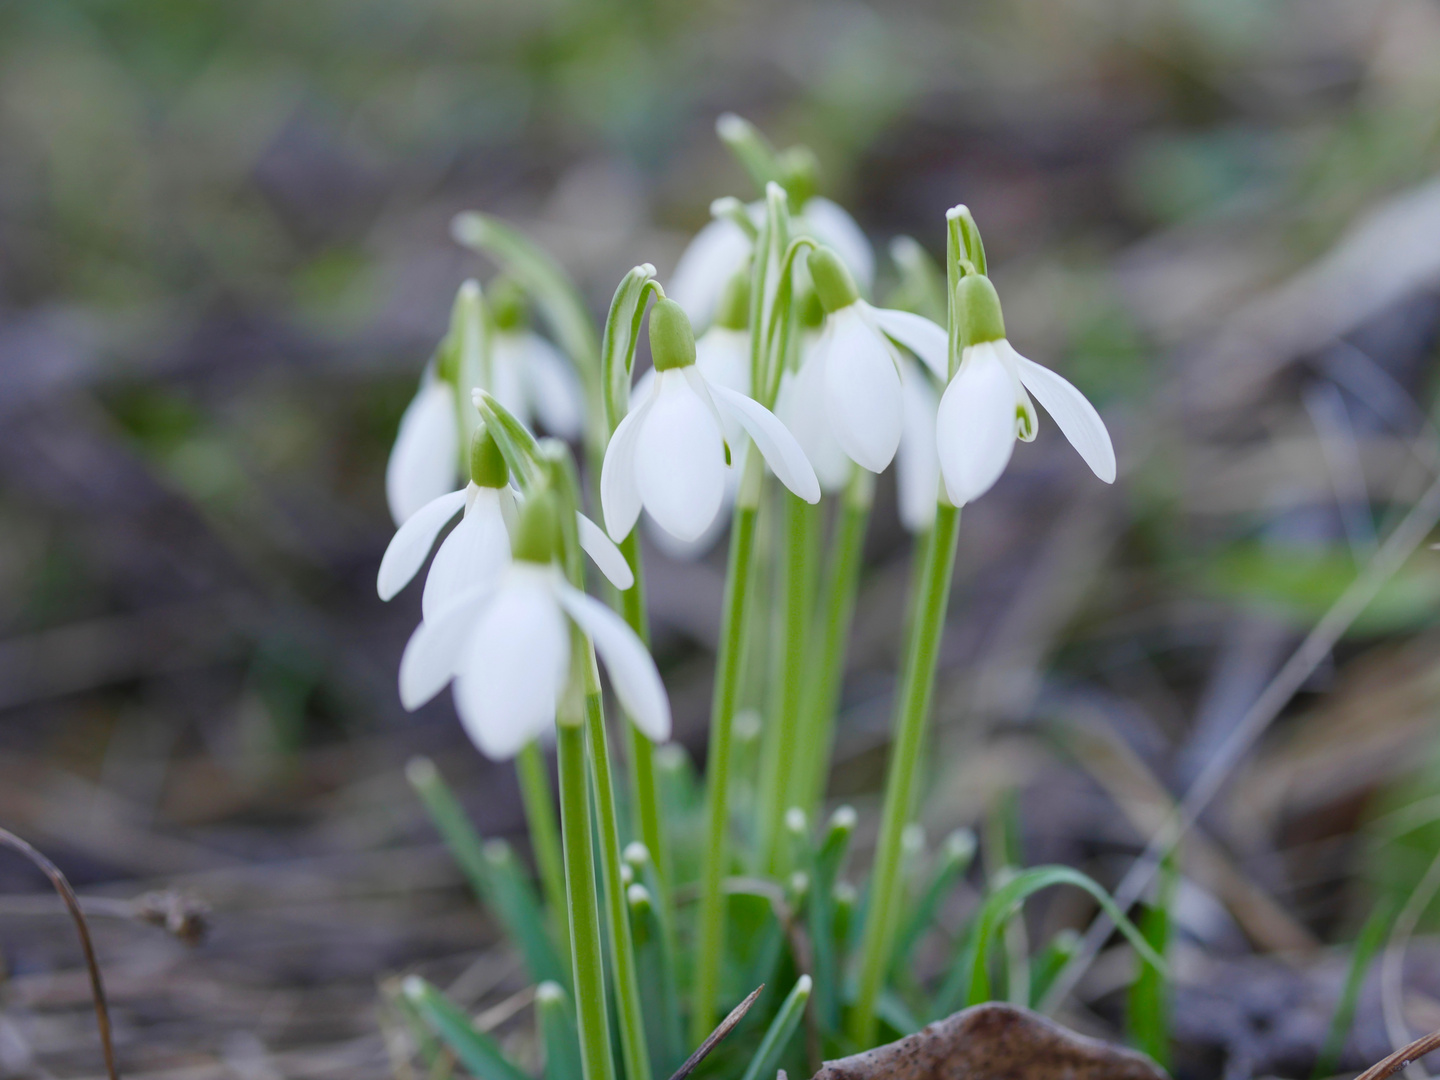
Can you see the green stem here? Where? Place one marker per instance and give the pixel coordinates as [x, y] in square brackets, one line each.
[645, 795]
[711, 932]
[545, 840]
[782, 759]
[912, 708]
[587, 965]
[826, 666]
[633, 1047]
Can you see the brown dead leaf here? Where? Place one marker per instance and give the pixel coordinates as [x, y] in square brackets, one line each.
[994, 1042]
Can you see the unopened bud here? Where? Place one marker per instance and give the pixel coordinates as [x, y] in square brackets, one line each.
[833, 283]
[672, 341]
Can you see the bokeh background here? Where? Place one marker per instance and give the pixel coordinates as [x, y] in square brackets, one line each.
[224, 259]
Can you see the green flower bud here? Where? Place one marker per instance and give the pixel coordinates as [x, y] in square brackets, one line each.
[977, 306]
[509, 306]
[799, 175]
[672, 341]
[487, 464]
[809, 310]
[536, 534]
[833, 283]
[733, 312]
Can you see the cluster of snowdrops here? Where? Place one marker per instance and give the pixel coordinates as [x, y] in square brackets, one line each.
[664, 902]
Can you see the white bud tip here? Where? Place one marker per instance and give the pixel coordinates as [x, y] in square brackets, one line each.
[795, 820]
[803, 985]
[913, 838]
[960, 843]
[636, 853]
[954, 212]
[549, 993]
[477, 396]
[496, 850]
[470, 289]
[421, 771]
[746, 725]
[799, 881]
[773, 190]
[638, 896]
[670, 757]
[627, 875]
[728, 124]
[845, 893]
[413, 987]
[844, 818]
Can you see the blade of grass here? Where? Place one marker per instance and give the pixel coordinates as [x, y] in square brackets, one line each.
[792, 1010]
[558, 1035]
[477, 1051]
[1148, 1014]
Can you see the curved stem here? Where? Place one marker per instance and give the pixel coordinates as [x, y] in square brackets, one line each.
[912, 710]
[710, 937]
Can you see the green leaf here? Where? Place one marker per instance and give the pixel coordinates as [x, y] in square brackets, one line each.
[1148, 1012]
[558, 1034]
[477, 1051]
[622, 333]
[781, 1029]
[659, 992]
[824, 871]
[1372, 936]
[1002, 904]
[750, 148]
[517, 444]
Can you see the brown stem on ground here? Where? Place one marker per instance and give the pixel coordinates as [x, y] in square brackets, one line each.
[1402, 1058]
[67, 894]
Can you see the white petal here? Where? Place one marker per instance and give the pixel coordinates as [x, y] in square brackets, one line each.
[434, 650]
[917, 465]
[604, 553]
[975, 429]
[774, 441]
[679, 458]
[918, 334]
[425, 459]
[632, 670]
[412, 542]
[553, 388]
[475, 553]
[514, 665]
[713, 256]
[1072, 414]
[833, 226]
[643, 388]
[619, 492]
[800, 406]
[862, 389]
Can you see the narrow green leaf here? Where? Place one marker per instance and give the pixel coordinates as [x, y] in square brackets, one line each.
[1148, 1012]
[953, 860]
[622, 333]
[477, 1051]
[1050, 962]
[518, 446]
[824, 936]
[659, 991]
[494, 876]
[558, 1034]
[750, 148]
[1372, 936]
[781, 1029]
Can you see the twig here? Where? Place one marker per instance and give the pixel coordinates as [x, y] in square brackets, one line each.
[724, 1028]
[97, 985]
[1402, 1058]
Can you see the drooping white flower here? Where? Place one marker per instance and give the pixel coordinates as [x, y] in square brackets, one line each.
[423, 460]
[720, 249]
[850, 382]
[477, 550]
[528, 375]
[506, 645]
[986, 407]
[917, 464]
[669, 453]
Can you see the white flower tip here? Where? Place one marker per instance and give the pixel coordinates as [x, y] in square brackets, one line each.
[802, 986]
[413, 987]
[549, 992]
[728, 125]
[795, 820]
[844, 818]
[956, 211]
[636, 853]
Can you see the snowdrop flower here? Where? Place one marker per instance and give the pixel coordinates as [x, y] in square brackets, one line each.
[722, 247]
[669, 454]
[851, 381]
[528, 375]
[477, 550]
[507, 647]
[423, 460]
[986, 407]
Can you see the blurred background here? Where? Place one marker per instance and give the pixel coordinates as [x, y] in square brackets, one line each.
[225, 258]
